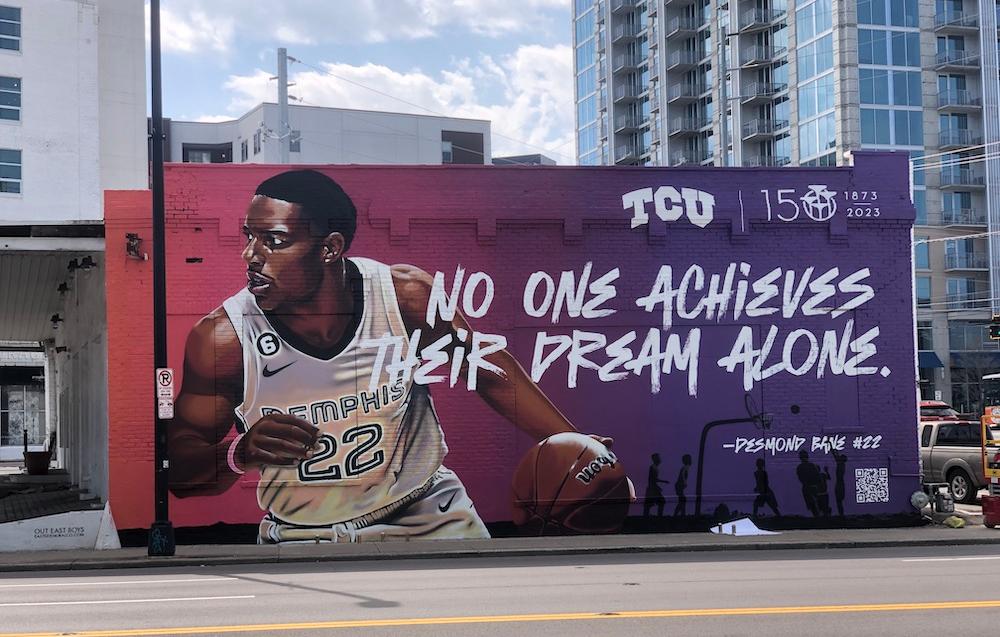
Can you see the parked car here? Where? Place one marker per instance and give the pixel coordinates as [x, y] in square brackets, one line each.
[951, 451]
[931, 410]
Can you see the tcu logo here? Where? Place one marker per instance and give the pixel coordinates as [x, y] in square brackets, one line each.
[268, 344]
[670, 205]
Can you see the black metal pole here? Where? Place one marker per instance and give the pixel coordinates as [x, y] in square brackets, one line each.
[161, 534]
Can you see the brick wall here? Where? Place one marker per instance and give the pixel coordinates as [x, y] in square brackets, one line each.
[511, 222]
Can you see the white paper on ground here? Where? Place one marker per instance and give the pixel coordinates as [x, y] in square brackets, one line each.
[743, 526]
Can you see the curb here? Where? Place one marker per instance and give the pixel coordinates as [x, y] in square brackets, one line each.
[378, 555]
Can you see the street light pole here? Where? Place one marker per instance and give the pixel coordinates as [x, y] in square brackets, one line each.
[161, 534]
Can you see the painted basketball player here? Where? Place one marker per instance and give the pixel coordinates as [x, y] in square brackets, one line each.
[339, 460]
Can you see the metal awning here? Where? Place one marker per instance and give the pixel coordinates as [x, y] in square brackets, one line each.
[928, 360]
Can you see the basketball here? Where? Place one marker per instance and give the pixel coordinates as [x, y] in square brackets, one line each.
[570, 484]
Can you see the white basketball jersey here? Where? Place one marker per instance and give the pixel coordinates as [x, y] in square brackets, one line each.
[376, 446]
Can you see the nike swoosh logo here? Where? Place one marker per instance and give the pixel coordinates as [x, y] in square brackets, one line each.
[447, 505]
[271, 372]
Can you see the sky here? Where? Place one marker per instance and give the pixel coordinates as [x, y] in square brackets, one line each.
[508, 61]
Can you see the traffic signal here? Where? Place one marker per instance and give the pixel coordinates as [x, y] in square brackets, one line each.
[995, 328]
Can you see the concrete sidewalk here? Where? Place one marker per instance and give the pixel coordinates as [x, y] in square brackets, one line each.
[211, 555]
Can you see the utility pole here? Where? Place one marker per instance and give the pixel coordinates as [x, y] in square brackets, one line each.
[724, 96]
[284, 127]
[161, 534]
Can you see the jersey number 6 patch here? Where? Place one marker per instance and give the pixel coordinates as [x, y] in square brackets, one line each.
[359, 460]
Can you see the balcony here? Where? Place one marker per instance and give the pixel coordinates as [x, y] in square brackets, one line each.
[956, 21]
[959, 99]
[681, 26]
[962, 178]
[627, 93]
[628, 153]
[618, 6]
[673, 4]
[963, 217]
[761, 91]
[624, 32]
[680, 60]
[759, 55]
[628, 122]
[765, 161]
[625, 61]
[966, 261]
[762, 127]
[757, 19]
[681, 126]
[968, 301]
[956, 60]
[687, 158]
[684, 92]
[954, 138]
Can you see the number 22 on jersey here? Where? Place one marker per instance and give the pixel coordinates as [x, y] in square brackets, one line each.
[360, 459]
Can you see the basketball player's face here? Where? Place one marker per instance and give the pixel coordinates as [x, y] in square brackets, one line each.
[284, 262]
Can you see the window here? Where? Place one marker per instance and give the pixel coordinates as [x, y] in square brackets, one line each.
[586, 111]
[10, 28]
[905, 48]
[10, 98]
[813, 18]
[586, 83]
[923, 287]
[874, 86]
[967, 336]
[295, 142]
[920, 203]
[872, 47]
[959, 435]
[10, 170]
[875, 126]
[585, 26]
[925, 435]
[22, 409]
[199, 156]
[245, 150]
[903, 13]
[922, 254]
[816, 96]
[815, 58]
[871, 12]
[925, 335]
[447, 154]
[587, 138]
[256, 142]
[909, 128]
[906, 88]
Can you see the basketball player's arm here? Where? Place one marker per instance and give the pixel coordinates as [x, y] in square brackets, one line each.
[531, 411]
[199, 435]
[196, 437]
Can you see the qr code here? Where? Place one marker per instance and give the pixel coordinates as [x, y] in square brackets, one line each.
[872, 485]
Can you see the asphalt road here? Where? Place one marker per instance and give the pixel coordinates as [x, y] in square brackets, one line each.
[792, 592]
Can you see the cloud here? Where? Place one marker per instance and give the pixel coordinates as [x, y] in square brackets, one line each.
[531, 115]
[193, 32]
[195, 26]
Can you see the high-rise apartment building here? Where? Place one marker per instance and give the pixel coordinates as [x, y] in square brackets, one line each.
[801, 83]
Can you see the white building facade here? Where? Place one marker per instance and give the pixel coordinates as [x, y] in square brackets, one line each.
[72, 125]
[320, 135]
[802, 82]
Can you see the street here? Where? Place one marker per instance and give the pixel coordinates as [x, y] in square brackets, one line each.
[889, 591]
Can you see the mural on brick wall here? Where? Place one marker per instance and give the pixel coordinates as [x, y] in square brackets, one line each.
[399, 353]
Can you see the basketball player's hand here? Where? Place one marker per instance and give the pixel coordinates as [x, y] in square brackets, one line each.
[278, 440]
[604, 440]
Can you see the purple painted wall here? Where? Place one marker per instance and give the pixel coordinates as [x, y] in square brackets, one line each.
[828, 294]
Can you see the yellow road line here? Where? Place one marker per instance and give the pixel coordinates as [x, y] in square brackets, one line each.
[549, 617]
